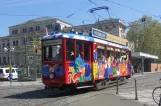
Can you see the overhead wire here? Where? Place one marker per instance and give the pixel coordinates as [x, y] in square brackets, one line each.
[132, 8]
[17, 2]
[108, 14]
[78, 10]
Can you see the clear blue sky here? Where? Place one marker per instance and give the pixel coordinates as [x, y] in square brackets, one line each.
[62, 8]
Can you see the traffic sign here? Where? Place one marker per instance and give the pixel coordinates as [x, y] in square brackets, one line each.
[10, 68]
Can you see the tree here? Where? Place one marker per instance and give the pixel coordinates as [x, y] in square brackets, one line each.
[145, 34]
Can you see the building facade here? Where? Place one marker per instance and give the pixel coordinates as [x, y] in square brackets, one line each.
[22, 35]
[113, 26]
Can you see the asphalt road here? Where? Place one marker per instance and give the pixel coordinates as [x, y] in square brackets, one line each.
[37, 96]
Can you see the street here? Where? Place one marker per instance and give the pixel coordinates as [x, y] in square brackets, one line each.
[33, 94]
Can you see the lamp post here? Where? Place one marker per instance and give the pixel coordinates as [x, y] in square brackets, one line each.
[8, 49]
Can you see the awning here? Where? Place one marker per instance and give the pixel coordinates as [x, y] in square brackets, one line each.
[145, 55]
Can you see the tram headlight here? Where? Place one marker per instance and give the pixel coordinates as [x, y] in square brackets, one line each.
[51, 76]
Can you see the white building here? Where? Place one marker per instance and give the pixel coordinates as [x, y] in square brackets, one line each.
[30, 30]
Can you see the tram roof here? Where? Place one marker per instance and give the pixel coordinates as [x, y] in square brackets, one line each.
[83, 37]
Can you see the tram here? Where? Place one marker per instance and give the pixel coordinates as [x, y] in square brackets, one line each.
[77, 60]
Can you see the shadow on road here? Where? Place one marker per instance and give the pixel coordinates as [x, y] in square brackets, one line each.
[38, 94]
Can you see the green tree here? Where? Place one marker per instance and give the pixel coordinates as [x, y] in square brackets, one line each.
[145, 33]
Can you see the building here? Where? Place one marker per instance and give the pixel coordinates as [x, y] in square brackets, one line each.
[4, 57]
[113, 26]
[24, 40]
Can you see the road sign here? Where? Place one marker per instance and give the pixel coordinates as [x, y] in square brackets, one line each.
[10, 68]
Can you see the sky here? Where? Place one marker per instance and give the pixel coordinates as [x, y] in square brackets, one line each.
[14, 12]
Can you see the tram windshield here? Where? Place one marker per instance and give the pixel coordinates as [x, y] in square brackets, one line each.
[52, 50]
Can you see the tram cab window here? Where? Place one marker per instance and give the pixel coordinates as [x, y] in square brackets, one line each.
[52, 50]
[101, 53]
[69, 49]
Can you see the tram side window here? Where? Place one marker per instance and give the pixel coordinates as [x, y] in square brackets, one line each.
[124, 56]
[79, 48]
[101, 53]
[110, 54]
[86, 51]
[69, 49]
[118, 54]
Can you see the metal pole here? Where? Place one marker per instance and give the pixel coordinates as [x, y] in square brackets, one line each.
[136, 95]
[117, 86]
[142, 65]
[26, 55]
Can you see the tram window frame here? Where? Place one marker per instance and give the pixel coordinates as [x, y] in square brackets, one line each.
[110, 50]
[79, 49]
[116, 53]
[70, 54]
[52, 44]
[101, 48]
[87, 55]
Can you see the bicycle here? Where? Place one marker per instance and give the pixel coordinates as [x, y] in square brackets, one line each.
[156, 94]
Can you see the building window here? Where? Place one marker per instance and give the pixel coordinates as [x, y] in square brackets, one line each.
[31, 39]
[4, 60]
[8, 45]
[3, 46]
[15, 32]
[49, 26]
[24, 30]
[14, 43]
[37, 28]
[31, 29]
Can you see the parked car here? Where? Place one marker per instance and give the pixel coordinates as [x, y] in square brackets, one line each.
[4, 73]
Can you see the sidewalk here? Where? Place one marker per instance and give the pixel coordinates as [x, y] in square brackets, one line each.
[21, 84]
[144, 97]
[105, 100]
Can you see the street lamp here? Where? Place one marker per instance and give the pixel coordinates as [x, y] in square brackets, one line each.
[8, 49]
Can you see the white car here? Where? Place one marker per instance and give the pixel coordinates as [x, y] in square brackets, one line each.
[4, 73]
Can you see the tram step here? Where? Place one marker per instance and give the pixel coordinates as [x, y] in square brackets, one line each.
[84, 87]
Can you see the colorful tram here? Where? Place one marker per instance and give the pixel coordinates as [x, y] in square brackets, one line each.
[74, 60]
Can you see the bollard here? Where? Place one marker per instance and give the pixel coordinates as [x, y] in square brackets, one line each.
[117, 87]
[136, 95]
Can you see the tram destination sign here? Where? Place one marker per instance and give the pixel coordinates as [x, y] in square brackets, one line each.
[103, 35]
[99, 34]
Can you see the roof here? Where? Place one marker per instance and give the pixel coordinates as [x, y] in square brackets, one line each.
[145, 55]
[83, 37]
[36, 20]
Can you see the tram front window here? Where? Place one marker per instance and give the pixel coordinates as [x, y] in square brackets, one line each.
[53, 50]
